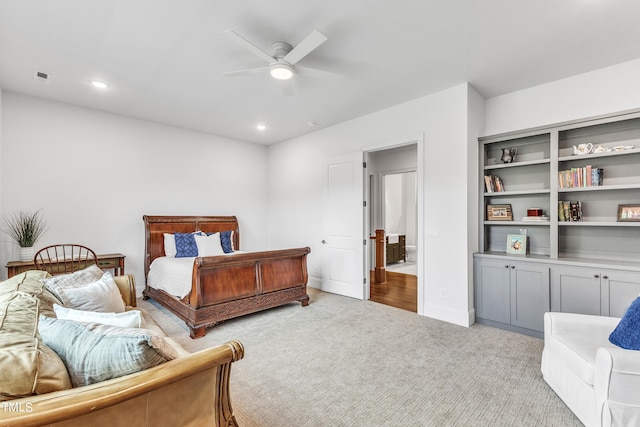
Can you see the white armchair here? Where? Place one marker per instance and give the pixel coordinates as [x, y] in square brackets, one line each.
[597, 380]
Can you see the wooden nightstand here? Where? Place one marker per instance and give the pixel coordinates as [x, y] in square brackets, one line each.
[105, 262]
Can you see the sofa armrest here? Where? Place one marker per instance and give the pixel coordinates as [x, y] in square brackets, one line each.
[127, 286]
[616, 384]
[573, 324]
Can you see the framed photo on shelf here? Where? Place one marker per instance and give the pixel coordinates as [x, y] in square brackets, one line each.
[499, 213]
[629, 212]
[516, 244]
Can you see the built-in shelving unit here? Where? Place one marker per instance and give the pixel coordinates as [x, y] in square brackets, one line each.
[591, 266]
[531, 181]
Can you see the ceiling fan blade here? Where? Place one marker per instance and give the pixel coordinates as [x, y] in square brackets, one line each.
[320, 74]
[246, 72]
[305, 47]
[248, 45]
[287, 87]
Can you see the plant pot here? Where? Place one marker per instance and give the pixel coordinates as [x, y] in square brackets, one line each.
[26, 254]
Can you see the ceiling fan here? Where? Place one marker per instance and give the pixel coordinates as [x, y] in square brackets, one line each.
[284, 57]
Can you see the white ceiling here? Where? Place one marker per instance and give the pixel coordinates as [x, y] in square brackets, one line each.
[164, 58]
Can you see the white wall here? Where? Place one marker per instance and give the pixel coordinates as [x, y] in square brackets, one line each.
[401, 205]
[395, 164]
[297, 177]
[95, 174]
[604, 91]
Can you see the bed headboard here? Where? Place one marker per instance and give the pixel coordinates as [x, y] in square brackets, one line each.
[156, 226]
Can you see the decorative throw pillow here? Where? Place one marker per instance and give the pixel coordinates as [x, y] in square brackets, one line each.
[126, 319]
[93, 353]
[209, 245]
[169, 245]
[27, 366]
[30, 282]
[76, 279]
[627, 333]
[102, 295]
[225, 240]
[185, 245]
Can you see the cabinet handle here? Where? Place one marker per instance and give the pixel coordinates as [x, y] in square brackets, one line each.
[506, 266]
[513, 266]
[596, 276]
[605, 277]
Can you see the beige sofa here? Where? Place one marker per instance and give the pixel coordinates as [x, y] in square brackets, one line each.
[191, 390]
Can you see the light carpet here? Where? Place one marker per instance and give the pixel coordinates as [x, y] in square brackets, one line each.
[346, 362]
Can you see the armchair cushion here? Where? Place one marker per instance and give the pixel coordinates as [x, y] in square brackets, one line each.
[627, 333]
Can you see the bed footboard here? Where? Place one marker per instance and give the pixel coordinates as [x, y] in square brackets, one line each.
[225, 287]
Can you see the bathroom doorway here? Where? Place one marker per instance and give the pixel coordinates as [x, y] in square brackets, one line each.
[393, 194]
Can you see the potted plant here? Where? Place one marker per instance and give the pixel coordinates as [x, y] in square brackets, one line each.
[25, 228]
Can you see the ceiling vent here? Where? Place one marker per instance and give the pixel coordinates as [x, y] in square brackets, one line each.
[41, 77]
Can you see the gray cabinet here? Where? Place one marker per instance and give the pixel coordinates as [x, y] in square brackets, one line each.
[512, 294]
[603, 292]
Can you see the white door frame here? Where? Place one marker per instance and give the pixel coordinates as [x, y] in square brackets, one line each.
[417, 139]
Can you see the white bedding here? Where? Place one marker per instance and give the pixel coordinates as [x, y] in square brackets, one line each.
[173, 275]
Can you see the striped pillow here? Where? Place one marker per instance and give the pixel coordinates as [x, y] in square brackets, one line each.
[76, 279]
[93, 352]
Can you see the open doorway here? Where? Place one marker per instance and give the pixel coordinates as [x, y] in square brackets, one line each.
[393, 196]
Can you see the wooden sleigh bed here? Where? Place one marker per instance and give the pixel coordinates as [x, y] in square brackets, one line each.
[225, 286]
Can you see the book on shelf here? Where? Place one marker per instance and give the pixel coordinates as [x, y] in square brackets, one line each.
[493, 184]
[587, 176]
[542, 218]
[569, 211]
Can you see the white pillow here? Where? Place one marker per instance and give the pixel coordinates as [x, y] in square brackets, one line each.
[127, 319]
[170, 245]
[102, 295]
[209, 245]
[77, 279]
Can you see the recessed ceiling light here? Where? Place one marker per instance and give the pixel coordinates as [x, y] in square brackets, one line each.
[99, 85]
[312, 124]
[261, 127]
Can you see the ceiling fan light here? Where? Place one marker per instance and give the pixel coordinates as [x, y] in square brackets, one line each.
[281, 72]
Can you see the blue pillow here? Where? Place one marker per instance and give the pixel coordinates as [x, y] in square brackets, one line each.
[185, 245]
[627, 333]
[225, 241]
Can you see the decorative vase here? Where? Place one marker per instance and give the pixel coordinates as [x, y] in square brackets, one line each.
[26, 254]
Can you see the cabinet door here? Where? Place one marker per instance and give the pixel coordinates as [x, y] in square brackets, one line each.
[492, 290]
[576, 290]
[529, 295]
[623, 287]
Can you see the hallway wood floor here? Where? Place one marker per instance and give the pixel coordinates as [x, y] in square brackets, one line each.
[400, 290]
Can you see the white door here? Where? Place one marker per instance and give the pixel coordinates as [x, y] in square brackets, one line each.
[343, 267]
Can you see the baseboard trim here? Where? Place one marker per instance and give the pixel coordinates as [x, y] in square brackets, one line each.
[460, 318]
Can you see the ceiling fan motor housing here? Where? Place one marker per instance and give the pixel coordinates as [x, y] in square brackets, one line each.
[280, 49]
